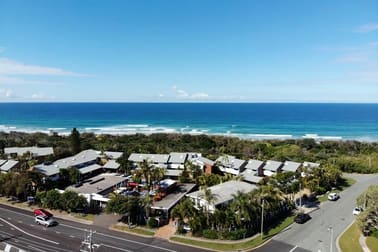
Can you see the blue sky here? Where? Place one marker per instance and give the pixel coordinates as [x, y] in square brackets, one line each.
[189, 51]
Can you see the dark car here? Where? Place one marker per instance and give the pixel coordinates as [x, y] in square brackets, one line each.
[302, 218]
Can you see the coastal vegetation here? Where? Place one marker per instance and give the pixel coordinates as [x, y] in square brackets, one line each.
[347, 156]
[367, 220]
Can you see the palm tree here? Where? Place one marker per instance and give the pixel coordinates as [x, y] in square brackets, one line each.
[146, 170]
[240, 205]
[210, 199]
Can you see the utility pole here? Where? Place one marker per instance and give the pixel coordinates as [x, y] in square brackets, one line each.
[300, 194]
[262, 219]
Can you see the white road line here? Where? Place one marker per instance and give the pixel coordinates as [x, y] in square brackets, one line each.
[82, 229]
[136, 242]
[19, 229]
[72, 236]
[36, 248]
[119, 238]
[117, 248]
[293, 249]
[19, 221]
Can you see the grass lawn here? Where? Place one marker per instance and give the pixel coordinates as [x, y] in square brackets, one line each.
[372, 243]
[349, 240]
[89, 217]
[135, 230]
[347, 183]
[214, 245]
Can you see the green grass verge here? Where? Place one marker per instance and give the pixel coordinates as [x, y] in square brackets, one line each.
[372, 243]
[349, 240]
[135, 230]
[214, 245]
[88, 217]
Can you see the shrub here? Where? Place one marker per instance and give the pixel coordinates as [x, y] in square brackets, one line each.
[236, 234]
[210, 234]
[152, 222]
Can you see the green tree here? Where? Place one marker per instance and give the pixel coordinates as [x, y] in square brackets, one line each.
[75, 142]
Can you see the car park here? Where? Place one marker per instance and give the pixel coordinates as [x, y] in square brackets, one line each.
[333, 196]
[357, 210]
[45, 220]
[302, 218]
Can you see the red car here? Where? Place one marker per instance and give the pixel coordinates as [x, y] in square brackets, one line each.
[43, 212]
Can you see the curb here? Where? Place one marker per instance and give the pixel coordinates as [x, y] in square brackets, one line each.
[131, 233]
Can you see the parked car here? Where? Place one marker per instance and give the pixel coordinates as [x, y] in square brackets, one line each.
[187, 228]
[302, 218]
[357, 210]
[45, 220]
[43, 212]
[333, 196]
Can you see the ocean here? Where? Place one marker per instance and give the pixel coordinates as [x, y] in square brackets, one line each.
[244, 120]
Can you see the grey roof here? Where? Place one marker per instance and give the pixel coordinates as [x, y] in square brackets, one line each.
[291, 166]
[230, 161]
[173, 198]
[7, 165]
[80, 158]
[154, 158]
[254, 164]
[36, 151]
[112, 164]
[2, 161]
[272, 165]
[89, 168]
[177, 157]
[48, 170]
[206, 161]
[173, 172]
[251, 176]
[224, 192]
[113, 154]
[310, 164]
[104, 182]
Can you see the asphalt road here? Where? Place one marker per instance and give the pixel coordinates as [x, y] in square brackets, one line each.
[17, 227]
[327, 223]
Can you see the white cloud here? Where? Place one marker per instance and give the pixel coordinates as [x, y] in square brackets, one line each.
[7, 93]
[4, 79]
[11, 67]
[367, 28]
[182, 94]
[199, 96]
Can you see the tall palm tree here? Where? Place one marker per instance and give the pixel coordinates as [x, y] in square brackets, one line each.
[146, 169]
[210, 199]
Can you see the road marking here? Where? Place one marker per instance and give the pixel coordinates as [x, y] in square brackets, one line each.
[293, 249]
[19, 221]
[72, 236]
[117, 248]
[136, 242]
[19, 229]
[122, 239]
[57, 232]
[37, 249]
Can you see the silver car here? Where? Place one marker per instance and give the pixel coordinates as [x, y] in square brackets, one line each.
[45, 220]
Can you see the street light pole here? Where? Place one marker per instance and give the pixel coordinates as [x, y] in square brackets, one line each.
[300, 195]
[262, 218]
[330, 229]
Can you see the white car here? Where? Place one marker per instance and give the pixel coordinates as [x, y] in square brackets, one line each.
[44, 220]
[333, 196]
[357, 210]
